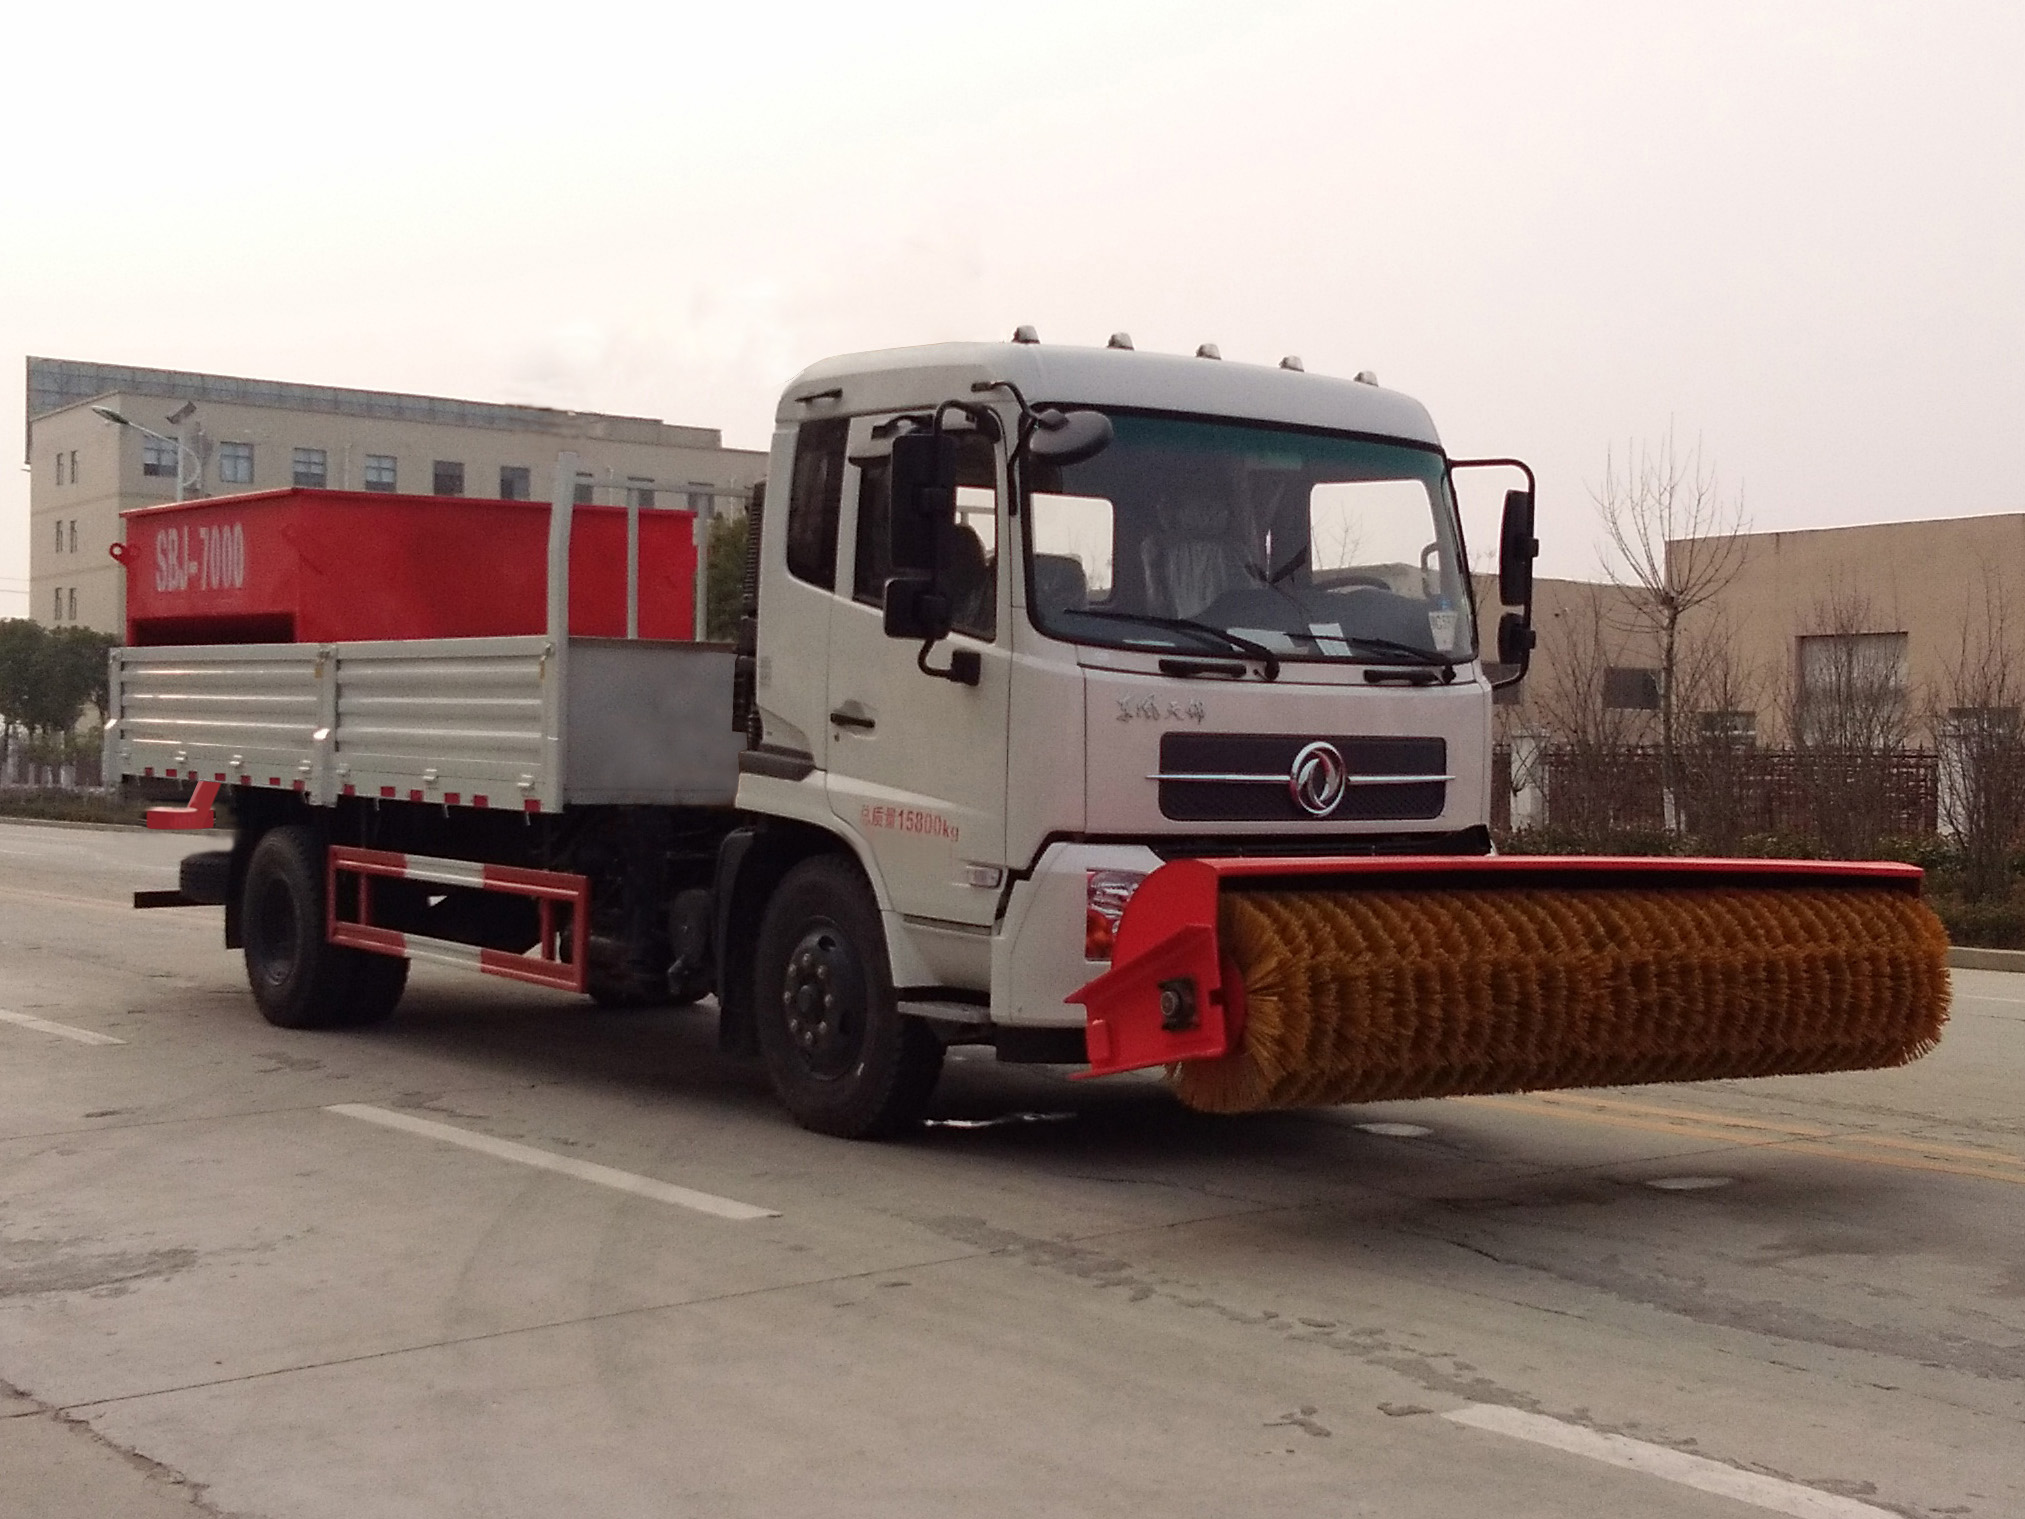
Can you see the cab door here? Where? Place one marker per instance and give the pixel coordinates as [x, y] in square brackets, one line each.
[917, 764]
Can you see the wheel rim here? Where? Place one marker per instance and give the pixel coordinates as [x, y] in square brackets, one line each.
[823, 1003]
[274, 931]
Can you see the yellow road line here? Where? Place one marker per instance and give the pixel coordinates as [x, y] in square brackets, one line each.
[1906, 1163]
[1922, 1147]
[1535, 1109]
[1608, 1113]
[1796, 1130]
[1701, 1115]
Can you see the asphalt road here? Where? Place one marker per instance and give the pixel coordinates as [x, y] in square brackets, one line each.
[251, 1272]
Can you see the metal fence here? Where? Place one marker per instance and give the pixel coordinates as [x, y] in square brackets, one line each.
[1836, 799]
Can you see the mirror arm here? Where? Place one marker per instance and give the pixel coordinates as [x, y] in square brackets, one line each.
[966, 666]
[1028, 422]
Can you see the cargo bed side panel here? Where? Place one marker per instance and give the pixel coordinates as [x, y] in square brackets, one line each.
[226, 713]
[430, 720]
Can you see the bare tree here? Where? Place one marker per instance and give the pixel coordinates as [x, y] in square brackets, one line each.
[1595, 784]
[1674, 546]
[1719, 694]
[1975, 719]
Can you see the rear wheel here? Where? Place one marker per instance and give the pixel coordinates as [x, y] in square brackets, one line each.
[206, 878]
[377, 985]
[301, 980]
[843, 1058]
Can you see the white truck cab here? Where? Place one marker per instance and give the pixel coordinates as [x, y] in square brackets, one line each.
[1158, 637]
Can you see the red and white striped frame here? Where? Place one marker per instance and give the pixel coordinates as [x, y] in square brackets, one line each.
[544, 967]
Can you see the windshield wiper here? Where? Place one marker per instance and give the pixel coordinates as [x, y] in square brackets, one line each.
[1405, 653]
[1230, 640]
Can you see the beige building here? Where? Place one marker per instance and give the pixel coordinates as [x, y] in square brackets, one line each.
[1872, 618]
[230, 435]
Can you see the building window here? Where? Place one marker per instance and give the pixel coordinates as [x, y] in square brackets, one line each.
[73, 466]
[71, 596]
[235, 463]
[1984, 722]
[59, 466]
[582, 494]
[379, 474]
[815, 495]
[73, 535]
[59, 535]
[158, 456]
[311, 467]
[515, 482]
[1852, 689]
[1631, 689]
[1728, 727]
[448, 479]
[639, 491]
[57, 615]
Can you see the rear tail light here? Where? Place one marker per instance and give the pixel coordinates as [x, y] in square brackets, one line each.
[1108, 892]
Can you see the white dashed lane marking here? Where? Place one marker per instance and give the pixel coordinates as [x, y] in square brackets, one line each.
[1773, 1493]
[562, 1165]
[61, 1030]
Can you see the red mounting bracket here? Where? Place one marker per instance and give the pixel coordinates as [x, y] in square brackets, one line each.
[1170, 994]
[196, 815]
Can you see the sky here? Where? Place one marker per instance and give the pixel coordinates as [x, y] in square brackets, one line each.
[1794, 232]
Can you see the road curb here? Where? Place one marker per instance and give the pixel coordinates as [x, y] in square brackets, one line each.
[1964, 958]
[29, 822]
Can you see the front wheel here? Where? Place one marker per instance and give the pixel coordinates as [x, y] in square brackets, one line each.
[843, 1059]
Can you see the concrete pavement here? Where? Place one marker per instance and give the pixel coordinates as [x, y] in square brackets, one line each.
[1814, 1284]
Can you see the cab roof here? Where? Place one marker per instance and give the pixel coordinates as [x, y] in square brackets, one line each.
[893, 379]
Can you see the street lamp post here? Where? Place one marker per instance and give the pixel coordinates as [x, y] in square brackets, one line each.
[189, 477]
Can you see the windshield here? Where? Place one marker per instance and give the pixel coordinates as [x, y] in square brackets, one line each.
[1313, 545]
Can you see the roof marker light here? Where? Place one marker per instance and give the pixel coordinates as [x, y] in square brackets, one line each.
[1120, 340]
[1025, 334]
[1293, 361]
[1209, 351]
[1367, 377]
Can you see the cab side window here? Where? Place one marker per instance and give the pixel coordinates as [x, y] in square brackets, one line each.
[814, 498]
[967, 557]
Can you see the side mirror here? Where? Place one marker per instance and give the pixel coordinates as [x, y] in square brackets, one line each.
[1069, 437]
[922, 479]
[1515, 640]
[1517, 548]
[914, 608]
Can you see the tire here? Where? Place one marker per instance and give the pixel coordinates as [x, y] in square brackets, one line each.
[300, 980]
[378, 982]
[206, 878]
[856, 1068]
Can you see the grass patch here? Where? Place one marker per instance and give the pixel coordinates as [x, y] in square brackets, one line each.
[54, 806]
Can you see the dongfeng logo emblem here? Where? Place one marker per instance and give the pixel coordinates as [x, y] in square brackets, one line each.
[1317, 779]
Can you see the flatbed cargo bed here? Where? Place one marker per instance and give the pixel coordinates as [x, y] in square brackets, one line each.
[464, 722]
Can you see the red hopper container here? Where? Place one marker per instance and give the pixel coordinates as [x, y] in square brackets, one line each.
[315, 566]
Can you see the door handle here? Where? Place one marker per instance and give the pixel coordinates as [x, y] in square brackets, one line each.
[857, 720]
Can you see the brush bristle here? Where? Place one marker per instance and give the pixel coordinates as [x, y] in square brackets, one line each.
[1368, 995]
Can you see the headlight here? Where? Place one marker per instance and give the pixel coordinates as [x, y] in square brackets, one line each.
[1108, 892]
